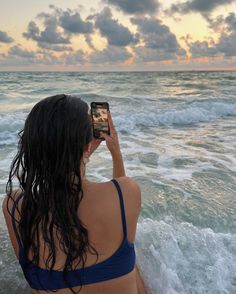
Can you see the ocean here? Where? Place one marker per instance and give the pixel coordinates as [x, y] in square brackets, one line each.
[177, 134]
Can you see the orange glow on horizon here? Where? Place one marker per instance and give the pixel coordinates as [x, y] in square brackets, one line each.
[167, 62]
[187, 28]
[129, 61]
[200, 59]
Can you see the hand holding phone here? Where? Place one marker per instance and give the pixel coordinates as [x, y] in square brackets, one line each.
[112, 140]
[113, 145]
[103, 127]
[99, 115]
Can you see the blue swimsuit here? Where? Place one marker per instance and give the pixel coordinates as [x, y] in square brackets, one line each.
[120, 263]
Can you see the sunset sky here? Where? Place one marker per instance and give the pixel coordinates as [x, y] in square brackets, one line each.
[117, 35]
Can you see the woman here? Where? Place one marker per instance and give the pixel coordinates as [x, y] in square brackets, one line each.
[71, 234]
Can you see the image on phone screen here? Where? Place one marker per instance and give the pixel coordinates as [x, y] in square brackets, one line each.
[99, 118]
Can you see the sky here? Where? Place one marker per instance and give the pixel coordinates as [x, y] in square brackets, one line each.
[122, 35]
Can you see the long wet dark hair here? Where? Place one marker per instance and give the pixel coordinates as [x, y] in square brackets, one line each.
[47, 166]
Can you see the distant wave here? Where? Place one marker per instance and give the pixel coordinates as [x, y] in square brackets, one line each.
[193, 113]
[189, 114]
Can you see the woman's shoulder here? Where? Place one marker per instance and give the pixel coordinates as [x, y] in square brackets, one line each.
[131, 195]
[130, 188]
[7, 206]
[132, 203]
[106, 191]
[9, 201]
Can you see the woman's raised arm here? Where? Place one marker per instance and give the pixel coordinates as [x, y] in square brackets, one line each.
[113, 145]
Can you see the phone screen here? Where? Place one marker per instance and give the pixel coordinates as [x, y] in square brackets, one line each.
[99, 118]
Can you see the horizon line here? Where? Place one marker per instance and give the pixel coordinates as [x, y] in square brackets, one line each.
[109, 71]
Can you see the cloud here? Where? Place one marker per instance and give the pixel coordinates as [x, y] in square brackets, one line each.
[75, 58]
[49, 35]
[150, 55]
[111, 54]
[223, 24]
[58, 28]
[225, 47]
[218, 24]
[89, 41]
[226, 27]
[226, 44]
[159, 42]
[202, 6]
[18, 56]
[155, 34]
[202, 49]
[52, 47]
[135, 6]
[72, 22]
[115, 33]
[231, 21]
[4, 38]
[8, 62]
[18, 51]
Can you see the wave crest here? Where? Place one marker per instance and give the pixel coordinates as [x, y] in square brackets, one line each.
[193, 113]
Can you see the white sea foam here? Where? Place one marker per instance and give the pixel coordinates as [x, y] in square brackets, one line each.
[195, 112]
[175, 257]
[11, 121]
[167, 169]
[5, 160]
[175, 154]
[10, 125]
[181, 258]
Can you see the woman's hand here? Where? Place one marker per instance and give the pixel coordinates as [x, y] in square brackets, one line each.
[113, 145]
[112, 141]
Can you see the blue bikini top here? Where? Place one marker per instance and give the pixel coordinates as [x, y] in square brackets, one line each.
[120, 263]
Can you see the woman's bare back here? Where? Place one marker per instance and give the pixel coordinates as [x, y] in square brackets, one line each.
[100, 212]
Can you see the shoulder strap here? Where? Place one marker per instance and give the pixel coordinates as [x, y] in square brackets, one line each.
[121, 206]
[13, 219]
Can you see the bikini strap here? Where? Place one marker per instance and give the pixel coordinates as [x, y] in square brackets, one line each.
[13, 220]
[121, 206]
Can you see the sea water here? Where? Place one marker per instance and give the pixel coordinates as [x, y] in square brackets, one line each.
[177, 134]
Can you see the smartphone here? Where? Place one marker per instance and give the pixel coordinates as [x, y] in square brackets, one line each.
[99, 117]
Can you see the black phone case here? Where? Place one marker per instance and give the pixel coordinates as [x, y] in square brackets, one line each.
[107, 107]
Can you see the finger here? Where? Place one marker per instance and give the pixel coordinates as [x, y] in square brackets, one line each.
[104, 135]
[111, 124]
